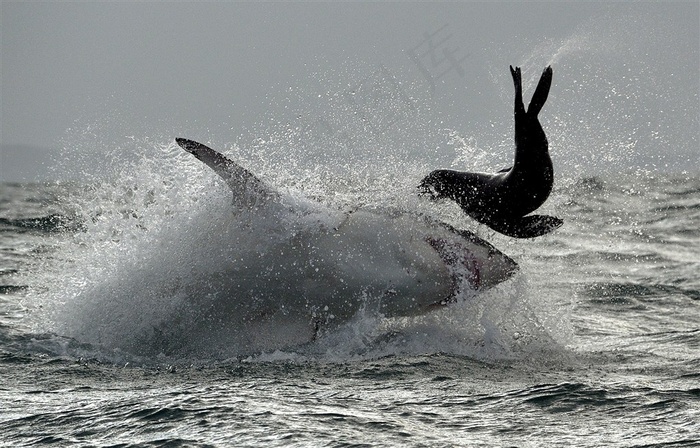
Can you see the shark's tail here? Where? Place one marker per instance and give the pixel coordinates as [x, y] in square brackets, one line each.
[541, 92]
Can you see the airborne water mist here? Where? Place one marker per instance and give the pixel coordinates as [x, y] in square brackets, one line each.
[158, 235]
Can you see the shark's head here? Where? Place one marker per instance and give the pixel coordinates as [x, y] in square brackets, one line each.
[473, 260]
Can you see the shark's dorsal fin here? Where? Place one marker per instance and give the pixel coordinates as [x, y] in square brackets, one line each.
[247, 189]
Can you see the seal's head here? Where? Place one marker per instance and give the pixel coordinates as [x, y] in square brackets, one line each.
[437, 185]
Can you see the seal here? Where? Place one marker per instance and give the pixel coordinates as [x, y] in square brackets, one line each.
[502, 200]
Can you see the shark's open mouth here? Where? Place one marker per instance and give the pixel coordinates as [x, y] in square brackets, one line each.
[462, 263]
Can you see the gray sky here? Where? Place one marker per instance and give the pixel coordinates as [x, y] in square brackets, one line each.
[96, 76]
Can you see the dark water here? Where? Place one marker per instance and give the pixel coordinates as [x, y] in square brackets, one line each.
[596, 343]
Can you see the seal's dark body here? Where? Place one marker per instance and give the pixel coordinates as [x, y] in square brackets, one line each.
[502, 200]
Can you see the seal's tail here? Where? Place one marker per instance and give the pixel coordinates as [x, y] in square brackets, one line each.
[530, 226]
[541, 92]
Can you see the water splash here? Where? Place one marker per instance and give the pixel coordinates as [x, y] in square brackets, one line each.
[614, 108]
[162, 226]
[161, 222]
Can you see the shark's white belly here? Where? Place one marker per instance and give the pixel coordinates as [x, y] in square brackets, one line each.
[384, 262]
[369, 259]
[373, 256]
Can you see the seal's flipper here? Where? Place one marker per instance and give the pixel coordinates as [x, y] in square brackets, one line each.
[541, 93]
[247, 189]
[518, 84]
[528, 226]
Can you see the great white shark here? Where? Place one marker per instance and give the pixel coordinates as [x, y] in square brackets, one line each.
[321, 265]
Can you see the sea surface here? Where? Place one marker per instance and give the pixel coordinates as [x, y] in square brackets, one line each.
[595, 343]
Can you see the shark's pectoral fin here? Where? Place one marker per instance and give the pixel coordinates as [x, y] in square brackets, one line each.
[528, 226]
[247, 189]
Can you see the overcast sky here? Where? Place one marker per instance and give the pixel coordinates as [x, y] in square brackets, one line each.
[101, 75]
